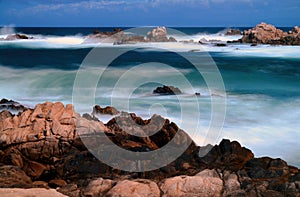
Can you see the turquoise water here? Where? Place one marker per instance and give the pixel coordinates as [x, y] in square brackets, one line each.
[261, 83]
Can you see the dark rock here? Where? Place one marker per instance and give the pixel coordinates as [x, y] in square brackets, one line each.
[171, 39]
[106, 110]
[40, 184]
[197, 94]
[220, 45]
[13, 176]
[130, 40]
[167, 90]
[233, 32]
[228, 155]
[89, 117]
[105, 37]
[18, 37]
[11, 105]
[57, 183]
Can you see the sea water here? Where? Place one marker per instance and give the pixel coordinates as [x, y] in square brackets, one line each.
[262, 83]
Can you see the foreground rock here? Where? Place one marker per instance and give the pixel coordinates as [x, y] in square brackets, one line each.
[206, 183]
[167, 90]
[36, 192]
[268, 34]
[138, 187]
[41, 147]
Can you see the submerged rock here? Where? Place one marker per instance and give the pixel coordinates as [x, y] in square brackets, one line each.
[221, 45]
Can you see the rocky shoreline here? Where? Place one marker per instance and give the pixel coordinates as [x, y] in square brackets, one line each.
[260, 34]
[41, 149]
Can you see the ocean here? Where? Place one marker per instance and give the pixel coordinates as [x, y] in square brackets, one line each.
[258, 87]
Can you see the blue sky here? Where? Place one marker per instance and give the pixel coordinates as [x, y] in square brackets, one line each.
[133, 13]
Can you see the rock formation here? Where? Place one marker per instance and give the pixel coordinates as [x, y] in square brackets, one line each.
[159, 34]
[118, 37]
[42, 148]
[11, 106]
[16, 37]
[268, 34]
[106, 110]
[105, 37]
[233, 32]
[167, 90]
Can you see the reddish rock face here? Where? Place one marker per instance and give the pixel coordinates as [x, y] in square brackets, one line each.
[268, 34]
[263, 34]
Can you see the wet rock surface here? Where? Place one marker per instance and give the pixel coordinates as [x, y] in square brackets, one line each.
[43, 148]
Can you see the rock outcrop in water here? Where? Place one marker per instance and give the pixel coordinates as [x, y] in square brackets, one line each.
[41, 148]
[233, 32]
[11, 106]
[118, 37]
[268, 34]
[106, 110]
[17, 37]
[167, 90]
[159, 34]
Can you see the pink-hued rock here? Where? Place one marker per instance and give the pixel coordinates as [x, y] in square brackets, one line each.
[33, 192]
[206, 183]
[98, 187]
[268, 34]
[263, 33]
[34, 137]
[135, 188]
